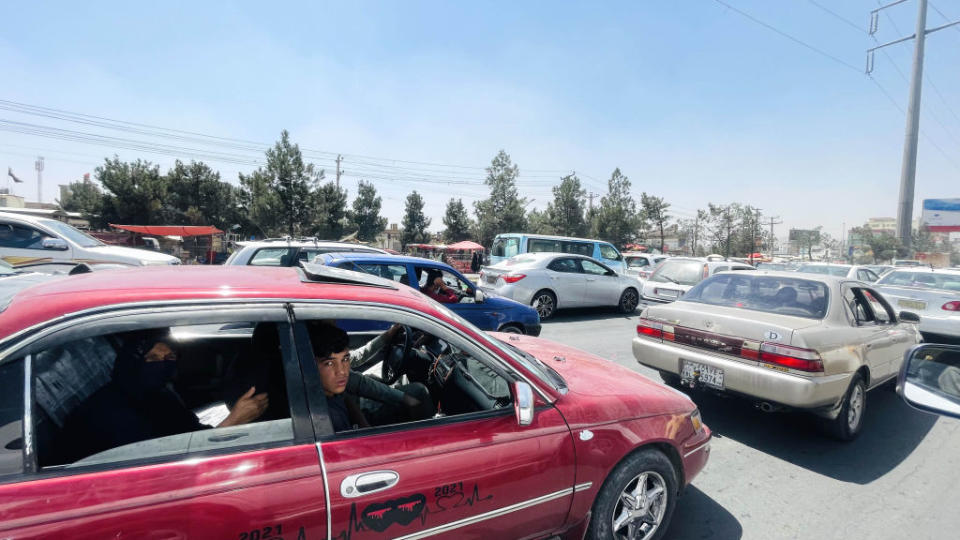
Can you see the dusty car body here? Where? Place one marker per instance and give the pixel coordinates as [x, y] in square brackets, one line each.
[569, 440]
[782, 339]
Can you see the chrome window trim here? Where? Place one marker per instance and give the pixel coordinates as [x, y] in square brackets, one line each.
[488, 515]
[147, 309]
[29, 460]
[326, 490]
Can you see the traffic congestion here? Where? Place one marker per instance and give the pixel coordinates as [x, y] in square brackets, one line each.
[138, 375]
[492, 270]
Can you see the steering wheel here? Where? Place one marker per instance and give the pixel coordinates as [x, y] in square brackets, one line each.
[392, 367]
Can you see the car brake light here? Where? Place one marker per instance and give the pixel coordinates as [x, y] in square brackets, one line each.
[790, 357]
[655, 329]
[951, 306]
[513, 278]
[706, 271]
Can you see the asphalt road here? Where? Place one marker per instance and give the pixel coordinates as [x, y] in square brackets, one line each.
[774, 475]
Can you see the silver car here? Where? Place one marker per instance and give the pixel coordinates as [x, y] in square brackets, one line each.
[811, 342]
[552, 281]
[641, 265]
[932, 294]
[290, 251]
[676, 275]
[861, 273]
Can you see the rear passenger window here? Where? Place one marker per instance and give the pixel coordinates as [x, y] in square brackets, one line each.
[880, 311]
[20, 237]
[271, 257]
[564, 265]
[11, 418]
[161, 393]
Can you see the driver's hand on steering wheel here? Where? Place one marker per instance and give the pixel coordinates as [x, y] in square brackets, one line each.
[393, 331]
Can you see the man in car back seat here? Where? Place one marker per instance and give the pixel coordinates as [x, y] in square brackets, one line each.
[331, 351]
[138, 404]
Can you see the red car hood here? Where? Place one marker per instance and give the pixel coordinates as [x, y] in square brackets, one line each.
[616, 392]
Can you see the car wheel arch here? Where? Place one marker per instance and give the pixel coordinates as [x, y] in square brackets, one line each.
[864, 372]
[664, 447]
[556, 297]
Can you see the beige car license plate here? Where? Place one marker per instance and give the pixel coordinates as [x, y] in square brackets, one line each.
[708, 375]
[912, 304]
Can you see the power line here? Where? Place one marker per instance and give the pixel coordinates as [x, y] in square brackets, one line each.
[788, 36]
[847, 21]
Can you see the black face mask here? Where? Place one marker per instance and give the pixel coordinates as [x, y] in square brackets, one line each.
[155, 375]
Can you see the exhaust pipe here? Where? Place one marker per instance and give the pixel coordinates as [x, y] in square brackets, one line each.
[768, 407]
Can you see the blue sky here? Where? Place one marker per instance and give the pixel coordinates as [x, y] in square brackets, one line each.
[693, 101]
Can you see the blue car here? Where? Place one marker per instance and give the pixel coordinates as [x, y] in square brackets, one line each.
[486, 311]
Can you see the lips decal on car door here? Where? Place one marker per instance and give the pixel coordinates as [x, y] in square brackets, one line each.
[380, 516]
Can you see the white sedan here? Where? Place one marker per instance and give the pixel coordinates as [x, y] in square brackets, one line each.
[932, 294]
[552, 281]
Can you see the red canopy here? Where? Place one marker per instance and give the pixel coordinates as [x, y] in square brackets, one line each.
[170, 230]
[465, 245]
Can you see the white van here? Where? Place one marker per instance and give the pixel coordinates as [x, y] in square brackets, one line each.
[509, 244]
[26, 240]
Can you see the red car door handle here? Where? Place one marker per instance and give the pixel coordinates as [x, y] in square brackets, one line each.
[356, 485]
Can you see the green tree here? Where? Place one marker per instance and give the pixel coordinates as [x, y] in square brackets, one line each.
[722, 226]
[282, 194]
[198, 196]
[566, 214]
[654, 211]
[617, 219]
[504, 210]
[882, 246]
[330, 217]
[456, 222]
[538, 222]
[85, 197]
[134, 192]
[366, 213]
[415, 222]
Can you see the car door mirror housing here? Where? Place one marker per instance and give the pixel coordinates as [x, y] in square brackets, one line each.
[56, 244]
[523, 403]
[908, 316]
[930, 379]
[478, 296]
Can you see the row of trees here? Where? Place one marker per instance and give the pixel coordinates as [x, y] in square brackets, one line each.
[290, 196]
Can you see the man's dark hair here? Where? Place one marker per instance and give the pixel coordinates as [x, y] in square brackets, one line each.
[327, 339]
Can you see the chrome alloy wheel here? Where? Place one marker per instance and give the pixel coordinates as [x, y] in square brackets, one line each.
[640, 508]
[544, 305]
[855, 408]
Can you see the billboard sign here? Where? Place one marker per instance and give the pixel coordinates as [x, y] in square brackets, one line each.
[941, 215]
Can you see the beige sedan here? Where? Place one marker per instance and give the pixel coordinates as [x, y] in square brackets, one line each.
[781, 339]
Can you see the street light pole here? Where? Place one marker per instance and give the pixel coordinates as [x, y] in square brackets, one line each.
[908, 171]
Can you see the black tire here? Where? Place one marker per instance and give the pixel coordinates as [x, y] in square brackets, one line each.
[629, 300]
[512, 329]
[545, 302]
[847, 426]
[609, 504]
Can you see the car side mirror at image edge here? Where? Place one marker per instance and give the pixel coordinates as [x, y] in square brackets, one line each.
[929, 379]
[908, 316]
[523, 401]
[56, 244]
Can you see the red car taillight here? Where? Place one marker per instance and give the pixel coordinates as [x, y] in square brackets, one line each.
[786, 356]
[951, 306]
[655, 329]
[513, 278]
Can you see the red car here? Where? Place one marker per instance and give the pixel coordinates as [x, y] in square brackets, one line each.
[191, 402]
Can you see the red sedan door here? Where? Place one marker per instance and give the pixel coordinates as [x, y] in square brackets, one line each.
[471, 475]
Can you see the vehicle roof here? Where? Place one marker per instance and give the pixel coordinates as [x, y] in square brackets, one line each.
[36, 220]
[554, 237]
[299, 242]
[59, 297]
[641, 254]
[926, 269]
[398, 259]
[825, 278]
[814, 263]
[705, 261]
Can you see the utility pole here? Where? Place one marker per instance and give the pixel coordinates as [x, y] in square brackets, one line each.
[39, 166]
[773, 239]
[339, 159]
[591, 196]
[908, 170]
